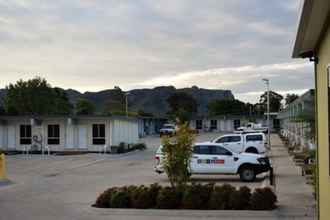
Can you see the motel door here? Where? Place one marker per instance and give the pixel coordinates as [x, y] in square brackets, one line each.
[11, 137]
[82, 137]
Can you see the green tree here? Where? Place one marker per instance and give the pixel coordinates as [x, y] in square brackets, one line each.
[224, 107]
[182, 106]
[290, 98]
[275, 101]
[117, 102]
[84, 107]
[35, 96]
[61, 102]
[177, 152]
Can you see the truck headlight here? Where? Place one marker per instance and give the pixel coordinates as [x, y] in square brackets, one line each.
[263, 160]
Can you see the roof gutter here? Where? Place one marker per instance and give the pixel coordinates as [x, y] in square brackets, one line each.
[304, 18]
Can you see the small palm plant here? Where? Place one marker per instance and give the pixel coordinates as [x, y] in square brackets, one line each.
[177, 152]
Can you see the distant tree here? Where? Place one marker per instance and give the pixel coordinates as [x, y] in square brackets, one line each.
[275, 101]
[228, 107]
[35, 96]
[182, 106]
[290, 98]
[61, 102]
[84, 107]
[117, 103]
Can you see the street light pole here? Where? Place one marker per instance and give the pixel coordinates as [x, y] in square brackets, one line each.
[126, 103]
[268, 110]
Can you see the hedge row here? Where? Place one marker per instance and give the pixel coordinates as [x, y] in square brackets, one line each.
[196, 196]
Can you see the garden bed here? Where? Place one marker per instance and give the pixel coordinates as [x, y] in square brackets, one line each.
[195, 196]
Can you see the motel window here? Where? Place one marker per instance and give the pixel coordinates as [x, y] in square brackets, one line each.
[25, 134]
[53, 135]
[199, 124]
[214, 125]
[98, 134]
[237, 123]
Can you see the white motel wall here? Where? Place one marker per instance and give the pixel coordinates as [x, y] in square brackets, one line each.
[229, 123]
[60, 133]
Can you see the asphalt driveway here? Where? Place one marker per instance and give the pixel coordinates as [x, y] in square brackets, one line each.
[64, 187]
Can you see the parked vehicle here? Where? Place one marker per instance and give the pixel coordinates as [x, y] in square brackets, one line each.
[214, 158]
[244, 142]
[252, 127]
[167, 129]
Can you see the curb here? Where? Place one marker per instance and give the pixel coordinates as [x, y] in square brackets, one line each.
[248, 214]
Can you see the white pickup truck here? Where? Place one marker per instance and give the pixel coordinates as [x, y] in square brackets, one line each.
[245, 142]
[168, 129]
[252, 127]
[213, 158]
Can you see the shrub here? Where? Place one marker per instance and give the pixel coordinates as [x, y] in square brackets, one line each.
[220, 197]
[139, 146]
[103, 200]
[121, 148]
[153, 193]
[168, 198]
[141, 199]
[197, 196]
[263, 199]
[177, 154]
[240, 199]
[120, 199]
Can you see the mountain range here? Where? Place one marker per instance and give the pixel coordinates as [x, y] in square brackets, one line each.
[148, 100]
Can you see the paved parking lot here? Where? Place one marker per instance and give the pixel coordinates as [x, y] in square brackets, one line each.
[103, 170]
[64, 187]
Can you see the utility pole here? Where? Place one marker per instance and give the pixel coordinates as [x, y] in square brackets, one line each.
[126, 102]
[268, 110]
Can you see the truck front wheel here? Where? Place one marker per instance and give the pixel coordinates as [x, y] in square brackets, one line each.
[247, 174]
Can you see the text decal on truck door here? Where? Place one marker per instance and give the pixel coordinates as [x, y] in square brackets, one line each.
[208, 161]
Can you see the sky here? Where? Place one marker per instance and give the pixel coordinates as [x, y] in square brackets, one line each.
[94, 45]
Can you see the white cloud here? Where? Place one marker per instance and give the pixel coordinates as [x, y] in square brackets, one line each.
[91, 45]
[253, 97]
[224, 77]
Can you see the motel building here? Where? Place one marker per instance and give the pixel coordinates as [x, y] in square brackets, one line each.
[313, 42]
[65, 133]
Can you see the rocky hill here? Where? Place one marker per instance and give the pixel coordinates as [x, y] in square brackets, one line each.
[149, 100]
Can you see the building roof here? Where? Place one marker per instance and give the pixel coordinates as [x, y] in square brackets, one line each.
[116, 117]
[314, 17]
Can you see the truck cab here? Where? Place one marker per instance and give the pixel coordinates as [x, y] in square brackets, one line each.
[168, 129]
